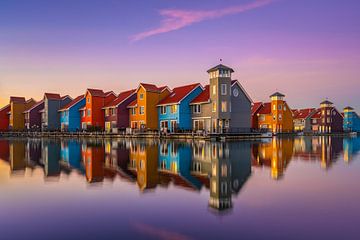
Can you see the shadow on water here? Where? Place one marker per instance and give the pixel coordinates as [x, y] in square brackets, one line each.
[221, 168]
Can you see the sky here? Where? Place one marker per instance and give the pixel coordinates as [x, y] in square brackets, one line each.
[309, 50]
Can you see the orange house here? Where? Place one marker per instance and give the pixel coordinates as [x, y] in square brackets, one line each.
[92, 115]
[275, 116]
[17, 107]
[4, 118]
[143, 110]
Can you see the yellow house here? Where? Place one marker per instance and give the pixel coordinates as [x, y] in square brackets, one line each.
[143, 111]
[17, 107]
[275, 116]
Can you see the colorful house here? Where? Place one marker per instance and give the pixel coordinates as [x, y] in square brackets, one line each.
[117, 113]
[53, 102]
[223, 106]
[275, 116]
[302, 119]
[92, 115]
[70, 117]
[33, 116]
[93, 156]
[327, 119]
[351, 120]
[143, 110]
[17, 107]
[174, 111]
[4, 118]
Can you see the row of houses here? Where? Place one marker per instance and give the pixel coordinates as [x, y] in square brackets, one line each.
[222, 105]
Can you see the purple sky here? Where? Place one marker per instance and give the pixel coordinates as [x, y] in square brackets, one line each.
[309, 50]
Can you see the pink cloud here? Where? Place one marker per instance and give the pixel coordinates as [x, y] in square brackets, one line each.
[177, 19]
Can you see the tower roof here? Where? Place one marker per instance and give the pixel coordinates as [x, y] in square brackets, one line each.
[220, 66]
[326, 102]
[277, 94]
[348, 108]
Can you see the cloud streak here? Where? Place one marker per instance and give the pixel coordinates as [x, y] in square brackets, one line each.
[177, 19]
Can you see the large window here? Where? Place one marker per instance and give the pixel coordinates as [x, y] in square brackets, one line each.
[142, 110]
[223, 106]
[173, 108]
[214, 106]
[197, 108]
[223, 89]
[214, 89]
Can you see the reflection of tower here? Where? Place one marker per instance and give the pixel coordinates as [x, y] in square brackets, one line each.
[93, 157]
[17, 155]
[220, 179]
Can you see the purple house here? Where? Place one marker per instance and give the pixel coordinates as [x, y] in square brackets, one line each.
[117, 113]
[33, 116]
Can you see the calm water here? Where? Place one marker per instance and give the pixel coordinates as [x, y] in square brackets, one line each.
[302, 188]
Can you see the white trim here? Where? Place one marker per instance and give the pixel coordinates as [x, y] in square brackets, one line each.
[194, 118]
[208, 101]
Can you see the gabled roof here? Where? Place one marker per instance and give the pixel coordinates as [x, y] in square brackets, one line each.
[72, 103]
[5, 108]
[52, 96]
[132, 104]
[17, 99]
[203, 97]
[178, 94]
[66, 96]
[303, 113]
[220, 66]
[34, 106]
[277, 94]
[99, 93]
[255, 107]
[317, 114]
[348, 108]
[121, 98]
[266, 108]
[233, 82]
[152, 87]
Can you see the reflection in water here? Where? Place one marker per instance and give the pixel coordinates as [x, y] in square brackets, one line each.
[220, 168]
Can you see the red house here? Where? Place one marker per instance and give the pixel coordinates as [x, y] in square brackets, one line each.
[4, 118]
[93, 114]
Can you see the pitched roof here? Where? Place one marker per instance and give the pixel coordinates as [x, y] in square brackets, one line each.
[34, 106]
[152, 87]
[178, 94]
[317, 114]
[348, 108]
[122, 97]
[17, 99]
[202, 97]
[132, 104]
[255, 107]
[266, 108]
[72, 103]
[277, 94]
[220, 66]
[5, 108]
[96, 92]
[303, 113]
[53, 96]
[326, 102]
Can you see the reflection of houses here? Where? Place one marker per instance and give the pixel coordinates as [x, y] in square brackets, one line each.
[33, 116]
[17, 155]
[223, 106]
[351, 148]
[93, 157]
[175, 163]
[71, 154]
[144, 164]
[302, 119]
[4, 150]
[351, 120]
[276, 155]
[33, 152]
[275, 116]
[50, 157]
[4, 118]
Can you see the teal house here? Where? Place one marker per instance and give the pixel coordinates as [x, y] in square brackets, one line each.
[70, 118]
[351, 120]
[174, 111]
[175, 163]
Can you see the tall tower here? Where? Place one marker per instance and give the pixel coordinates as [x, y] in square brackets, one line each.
[326, 111]
[278, 108]
[220, 97]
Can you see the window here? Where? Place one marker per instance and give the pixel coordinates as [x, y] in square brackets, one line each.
[106, 112]
[142, 110]
[328, 120]
[89, 112]
[133, 111]
[214, 89]
[280, 117]
[274, 107]
[314, 120]
[223, 89]
[274, 117]
[214, 106]
[224, 170]
[141, 96]
[214, 170]
[323, 112]
[328, 112]
[173, 108]
[163, 109]
[88, 100]
[83, 113]
[280, 107]
[223, 106]
[284, 107]
[197, 108]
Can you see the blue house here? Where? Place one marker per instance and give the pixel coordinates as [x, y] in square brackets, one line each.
[70, 118]
[174, 111]
[175, 162]
[351, 120]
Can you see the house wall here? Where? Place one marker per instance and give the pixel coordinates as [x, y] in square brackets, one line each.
[123, 112]
[351, 122]
[35, 116]
[205, 115]
[17, 118]
[74, 118]
[240, 111]
[4, 119]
